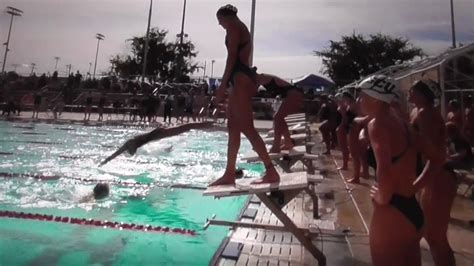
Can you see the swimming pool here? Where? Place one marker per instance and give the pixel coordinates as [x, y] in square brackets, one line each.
[70, 154]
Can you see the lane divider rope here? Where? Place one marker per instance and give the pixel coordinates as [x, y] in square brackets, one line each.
[97, 223]
[89, 180]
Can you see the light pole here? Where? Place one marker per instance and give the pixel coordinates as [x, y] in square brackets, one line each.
[99, 37]
[453, 28]
[89, 72]
[13, 12]
[205, 66]
[182, 24]
[252, 30]
[68, 69]
[32, 68]
[145, 54]
[212, 67]
[57, 59]
[181, 36]
[15, 67]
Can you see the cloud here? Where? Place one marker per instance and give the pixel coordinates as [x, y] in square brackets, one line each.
[286, 31]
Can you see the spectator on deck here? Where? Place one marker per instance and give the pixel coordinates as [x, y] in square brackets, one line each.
[168, 107]
[36, 104]
[101, 105]
[180, 105]
[469, 119]
[454, 113]
[189, 107]
[459, 150]
[88, 106]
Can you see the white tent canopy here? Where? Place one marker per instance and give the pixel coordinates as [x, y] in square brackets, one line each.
[453, 70]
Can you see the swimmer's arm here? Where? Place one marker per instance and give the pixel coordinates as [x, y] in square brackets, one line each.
[435, 159]
[425, 127]
[362, 121]
[161, 133]
[232, 54]
[386, 181]
[133, 144]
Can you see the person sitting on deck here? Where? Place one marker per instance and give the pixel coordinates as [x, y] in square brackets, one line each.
[133, 144]
[459, 150]
[469, 119]
[455, 114]
[292, 104]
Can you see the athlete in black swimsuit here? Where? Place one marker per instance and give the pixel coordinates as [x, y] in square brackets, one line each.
[397, 218]
[437, 188]
[239, 73]
[292, 103]
[240, 67]
[282, 88]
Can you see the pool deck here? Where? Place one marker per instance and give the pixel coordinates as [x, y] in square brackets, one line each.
[345, 209]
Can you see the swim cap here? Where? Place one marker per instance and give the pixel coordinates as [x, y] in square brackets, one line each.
[429, 88]
[399, 96]
[454, 104]
[227, 10]
[101, 191]
[380, 87]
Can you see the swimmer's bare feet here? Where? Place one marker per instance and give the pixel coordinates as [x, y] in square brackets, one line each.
[226, 179]
[271, 176]
[354, 180]
[274, 149]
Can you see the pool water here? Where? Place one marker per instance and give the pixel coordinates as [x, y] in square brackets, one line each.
[73, 152]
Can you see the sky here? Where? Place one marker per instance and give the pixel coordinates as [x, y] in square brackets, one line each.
[287, 32]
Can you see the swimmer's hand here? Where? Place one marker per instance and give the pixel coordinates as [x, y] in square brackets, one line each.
[375, 194]
[87, 198]
[130, 146]
[220, 93]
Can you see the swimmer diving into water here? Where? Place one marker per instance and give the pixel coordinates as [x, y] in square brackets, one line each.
[134, 143]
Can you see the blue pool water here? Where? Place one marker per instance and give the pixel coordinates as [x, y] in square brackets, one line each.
[73, 152]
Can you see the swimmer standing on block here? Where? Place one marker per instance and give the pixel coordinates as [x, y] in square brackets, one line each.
[241, 77]
[133, 144]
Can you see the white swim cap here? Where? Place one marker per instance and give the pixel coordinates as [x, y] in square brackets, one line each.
[380, 87]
